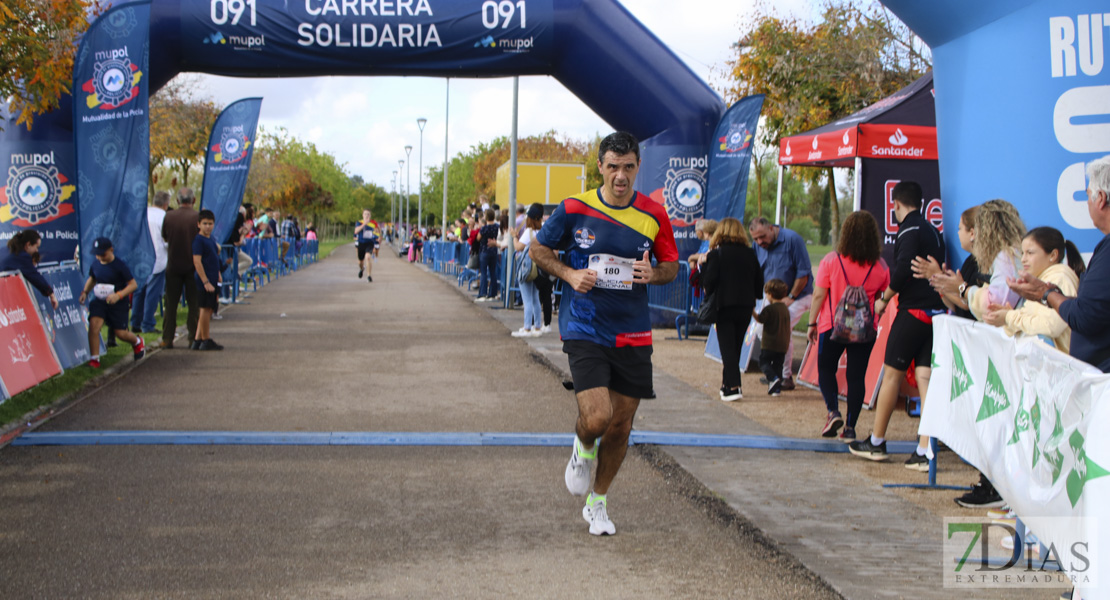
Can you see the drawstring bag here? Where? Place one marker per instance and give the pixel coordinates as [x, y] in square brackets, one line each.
[854, 319]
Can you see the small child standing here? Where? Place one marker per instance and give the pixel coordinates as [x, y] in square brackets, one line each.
[110, 281]
[775, 318]
[206, 260]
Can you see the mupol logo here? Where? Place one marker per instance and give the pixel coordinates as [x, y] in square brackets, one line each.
[35, 192]
[115, 80]
[486, 42]
[684, 190]
[899, 138]
[215, 38]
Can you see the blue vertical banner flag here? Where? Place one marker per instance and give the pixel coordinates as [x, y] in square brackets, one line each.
[730, 159]
[111, 131]
[38, 186]
[228, 162]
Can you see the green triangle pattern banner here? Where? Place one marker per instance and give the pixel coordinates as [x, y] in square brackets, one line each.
[1032, 419]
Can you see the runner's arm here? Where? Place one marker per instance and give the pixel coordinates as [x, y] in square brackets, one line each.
[581, 280]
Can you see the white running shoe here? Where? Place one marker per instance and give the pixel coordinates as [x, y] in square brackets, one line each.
[522, 332]
[577, 475]
[598, 518]
[545, 329]
[535, 333]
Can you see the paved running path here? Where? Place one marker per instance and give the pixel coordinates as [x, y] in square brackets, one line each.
[405, 353]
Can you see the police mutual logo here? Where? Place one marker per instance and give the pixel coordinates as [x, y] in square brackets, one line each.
[684, 190]
[232, 147]
[584, 237]
[114, 82]
[35, 191]
[738, 138]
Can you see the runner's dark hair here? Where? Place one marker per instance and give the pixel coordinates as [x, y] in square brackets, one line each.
[619, 143]
[908, 193]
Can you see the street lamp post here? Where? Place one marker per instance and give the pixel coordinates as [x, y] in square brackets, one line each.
[393, 204]
[400, 191]
[421, 122]
[408, 186]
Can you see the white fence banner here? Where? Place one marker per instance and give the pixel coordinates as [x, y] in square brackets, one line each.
[1036, 422]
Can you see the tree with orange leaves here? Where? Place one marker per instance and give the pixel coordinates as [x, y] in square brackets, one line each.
[855, 55]
[37, 46]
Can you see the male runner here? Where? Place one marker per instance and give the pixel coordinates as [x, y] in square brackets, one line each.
[608, 236]
[366, 233]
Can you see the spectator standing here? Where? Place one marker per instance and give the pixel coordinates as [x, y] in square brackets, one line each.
[732, 274]
[487, 258]
[1043, 254]
[703, 230]
[952, 286]
[911, 333]
[529, 293]
[22, 247]
[111, 282]
[782, 255]
[1088, 312]
[145, 300]
[178, 229]
[998, 234]
[856, 262]
[206, 263]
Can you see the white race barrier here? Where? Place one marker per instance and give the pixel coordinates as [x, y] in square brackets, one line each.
[1036, 422]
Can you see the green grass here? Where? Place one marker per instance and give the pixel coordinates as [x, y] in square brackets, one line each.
[329, 246]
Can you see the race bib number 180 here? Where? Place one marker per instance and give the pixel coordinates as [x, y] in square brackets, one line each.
[613, 272]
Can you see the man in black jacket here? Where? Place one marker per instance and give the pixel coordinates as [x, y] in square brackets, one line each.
[911, 333]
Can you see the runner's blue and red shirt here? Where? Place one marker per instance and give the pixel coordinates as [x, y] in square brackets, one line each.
[369, 233]
[585, 225]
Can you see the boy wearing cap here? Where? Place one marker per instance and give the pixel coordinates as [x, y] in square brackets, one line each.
[206, 260]
[110, 281]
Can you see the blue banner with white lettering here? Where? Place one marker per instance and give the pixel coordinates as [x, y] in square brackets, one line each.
[38, 191]
[111, 130]
[68, 326]
[306, 37]
[227, 163]
[730, 159]
[1029, 147]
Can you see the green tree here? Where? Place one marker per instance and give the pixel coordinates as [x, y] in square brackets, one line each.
[856, 54]
[180, 124]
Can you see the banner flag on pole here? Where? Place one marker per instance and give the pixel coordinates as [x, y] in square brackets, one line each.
[730, 159]
[227, 163]
[111, 131]
[1033, 420]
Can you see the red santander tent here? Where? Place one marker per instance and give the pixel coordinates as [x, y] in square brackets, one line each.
[893, 140]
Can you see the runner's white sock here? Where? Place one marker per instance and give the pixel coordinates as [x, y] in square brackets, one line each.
[875, 441]
[921, 451]
[137, 341]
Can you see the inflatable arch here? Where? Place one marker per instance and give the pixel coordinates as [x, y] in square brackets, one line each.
[595, 48]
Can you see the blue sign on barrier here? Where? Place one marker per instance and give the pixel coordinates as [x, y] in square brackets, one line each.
[68, 326]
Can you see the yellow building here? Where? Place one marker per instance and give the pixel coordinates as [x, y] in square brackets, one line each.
[546, 183]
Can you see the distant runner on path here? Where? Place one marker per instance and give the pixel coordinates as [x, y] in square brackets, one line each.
[366, 234]
[608, 236]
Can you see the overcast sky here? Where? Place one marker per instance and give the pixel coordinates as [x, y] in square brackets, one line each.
[365, 122]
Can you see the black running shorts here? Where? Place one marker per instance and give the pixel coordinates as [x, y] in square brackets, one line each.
[910, 339]
[624, 370]
[114, 315]
[363, 248]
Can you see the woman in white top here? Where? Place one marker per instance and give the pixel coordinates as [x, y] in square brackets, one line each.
[997, 248]
[530, 295]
